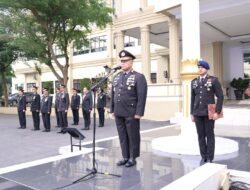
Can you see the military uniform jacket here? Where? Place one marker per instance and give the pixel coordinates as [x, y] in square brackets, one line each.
[63, 103]
[57, 100]
[101, 100]
[46, 104]
[35, 104]
[128, 95]
[21, 103]
[87, 102]
[75, 102]
[203, 93]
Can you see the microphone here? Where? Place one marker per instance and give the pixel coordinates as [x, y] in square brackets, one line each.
[117, 68]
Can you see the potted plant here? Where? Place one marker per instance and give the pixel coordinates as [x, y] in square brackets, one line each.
[240, 86]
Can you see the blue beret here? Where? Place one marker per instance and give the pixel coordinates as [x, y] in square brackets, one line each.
[125, 53]
[203, 64]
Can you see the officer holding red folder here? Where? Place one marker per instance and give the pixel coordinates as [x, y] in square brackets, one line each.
[203, 91]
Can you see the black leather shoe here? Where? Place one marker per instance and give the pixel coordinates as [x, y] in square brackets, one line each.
[130, 163]
[122, 162]
[21, 127]
[203, 161]
[35, 129]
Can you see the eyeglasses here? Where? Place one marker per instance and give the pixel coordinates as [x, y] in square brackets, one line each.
[125, 60]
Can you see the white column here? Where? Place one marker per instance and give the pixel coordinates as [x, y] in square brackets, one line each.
[190, 29]
[118, 7]
[190, 48]
[143, 4]
[217, 60]
[174, 50]
[110, 43]
[70, 73]
[119, 43]
[145, 52]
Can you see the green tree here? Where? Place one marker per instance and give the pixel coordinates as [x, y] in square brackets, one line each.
[8, 54]
[42, 26]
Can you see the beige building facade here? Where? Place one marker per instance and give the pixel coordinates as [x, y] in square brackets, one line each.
[167, 38]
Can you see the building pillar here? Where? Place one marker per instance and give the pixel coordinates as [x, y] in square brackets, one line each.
[174, 50]
[118, 7]
[145, 52]
[110, 44]
[190, 49]
[143, 4]
[119, 43]
[162, 69]
[218, 60]
[70, 71]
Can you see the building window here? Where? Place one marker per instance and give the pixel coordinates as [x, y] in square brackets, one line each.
[129, 41]
[96, 44]
[153, 78]
[29, 86]
[77, 84]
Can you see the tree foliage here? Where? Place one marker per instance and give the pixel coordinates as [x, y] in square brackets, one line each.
[41, 26]
[8, 54]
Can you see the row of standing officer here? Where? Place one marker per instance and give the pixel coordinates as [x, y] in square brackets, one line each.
[37, 105]
[61, 108]
[62, 105]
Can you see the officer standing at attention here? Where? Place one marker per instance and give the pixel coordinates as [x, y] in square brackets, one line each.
[75, 103]
[101, 104]
[203, 92]
[128, 99]
[56, 106]
[87, 104]
[63, 106]
[21, 108]
[46, 109]
[35, 108]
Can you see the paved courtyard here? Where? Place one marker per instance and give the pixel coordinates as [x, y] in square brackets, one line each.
[153, 171]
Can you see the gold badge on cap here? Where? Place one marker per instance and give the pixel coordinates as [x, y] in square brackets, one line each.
[129, 87]
[123, 53]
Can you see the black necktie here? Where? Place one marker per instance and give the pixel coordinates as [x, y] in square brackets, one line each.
[124, 77]
[202, 80]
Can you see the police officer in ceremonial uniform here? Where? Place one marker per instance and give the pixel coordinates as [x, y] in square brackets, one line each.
[46, 104]
[63, 106]
[21, 108]
[35, 108]
[56, 106]
[128, 99]
[203, 92]
[101, 104]
[87, 105]
[75, 103]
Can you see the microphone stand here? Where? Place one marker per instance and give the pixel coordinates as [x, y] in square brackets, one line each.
[92, 172]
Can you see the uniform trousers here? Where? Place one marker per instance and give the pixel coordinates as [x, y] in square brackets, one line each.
[129, 135]
[101, 112]
[46, 120]
[86, 117]
[206, 138]
[57, 117]
[63, 120]
[75, 116]
[36, 119]
[22, 118]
